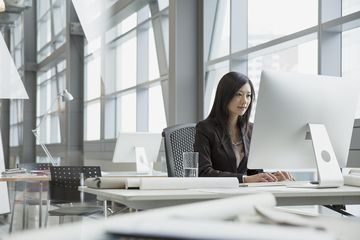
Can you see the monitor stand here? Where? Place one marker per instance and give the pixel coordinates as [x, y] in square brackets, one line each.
[142, 162]
[328, 169]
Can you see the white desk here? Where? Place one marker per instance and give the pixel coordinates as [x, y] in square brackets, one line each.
[197, 219]
[147, 199]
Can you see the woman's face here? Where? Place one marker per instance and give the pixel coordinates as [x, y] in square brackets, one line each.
[241, 101]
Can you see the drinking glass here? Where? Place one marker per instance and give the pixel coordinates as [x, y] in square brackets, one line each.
[191, 164]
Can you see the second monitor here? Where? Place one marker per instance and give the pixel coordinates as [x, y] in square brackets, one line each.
[140, 148]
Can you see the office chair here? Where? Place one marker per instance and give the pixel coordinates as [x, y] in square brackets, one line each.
[178, 139]
[64, 184]
[32, 196]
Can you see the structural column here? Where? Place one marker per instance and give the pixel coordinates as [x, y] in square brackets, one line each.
[30, 68]
[75, 83]
[183, 62]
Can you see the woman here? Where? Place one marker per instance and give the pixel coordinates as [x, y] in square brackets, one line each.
[223, 139]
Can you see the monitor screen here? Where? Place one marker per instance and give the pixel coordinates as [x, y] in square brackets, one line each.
[141, 148]
[287, 103]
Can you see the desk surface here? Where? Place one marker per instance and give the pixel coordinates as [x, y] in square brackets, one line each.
[133, 174]
[25, 178]
[147, 199]
[158, 221]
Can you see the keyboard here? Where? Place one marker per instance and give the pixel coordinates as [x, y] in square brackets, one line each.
[282, 183]
[288, 184]
[262, 184]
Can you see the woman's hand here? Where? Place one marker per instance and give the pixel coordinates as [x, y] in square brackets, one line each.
[260, 177]
[283, 176]
[269, 177]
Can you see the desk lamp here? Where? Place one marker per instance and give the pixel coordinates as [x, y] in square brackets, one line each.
[11, 88]
[65, 97]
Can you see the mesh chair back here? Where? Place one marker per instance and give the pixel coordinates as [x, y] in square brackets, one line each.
[65, 181]
[178, 139]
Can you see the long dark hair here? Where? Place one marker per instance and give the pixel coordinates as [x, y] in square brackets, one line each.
[229, 84]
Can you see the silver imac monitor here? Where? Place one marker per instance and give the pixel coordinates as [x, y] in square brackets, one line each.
[140, 148]
[304, 122]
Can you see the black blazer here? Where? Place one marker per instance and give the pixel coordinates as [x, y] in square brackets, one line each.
[216, 155]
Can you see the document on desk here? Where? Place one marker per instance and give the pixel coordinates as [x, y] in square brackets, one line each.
[187, 183]
[353, 177]
[113, 182]
[161, 183]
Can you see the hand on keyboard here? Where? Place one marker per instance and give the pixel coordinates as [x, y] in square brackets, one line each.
[278, 176]
[283, 176]
[260, 177]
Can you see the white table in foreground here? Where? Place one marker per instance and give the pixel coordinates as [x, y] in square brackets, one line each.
[147, 199]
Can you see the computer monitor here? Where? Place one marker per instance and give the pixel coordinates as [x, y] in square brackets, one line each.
[141, 148]
[303, 122]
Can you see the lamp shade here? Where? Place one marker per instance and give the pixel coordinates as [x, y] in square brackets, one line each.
[10, 81]
[67, 97]
[2, 6]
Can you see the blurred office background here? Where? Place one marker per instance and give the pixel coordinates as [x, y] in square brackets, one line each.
[143, 65]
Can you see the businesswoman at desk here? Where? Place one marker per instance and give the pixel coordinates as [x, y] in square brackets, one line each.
[223, 138]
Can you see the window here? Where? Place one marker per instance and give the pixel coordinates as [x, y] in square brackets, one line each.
[51, 16]
[213, 77]
[221, 36]
[157, 120]
[16, 122]
[351, 56]
[123, 83]
[17, 106]
[350, 6]
[92, 120]
[272, 19]
[49, 107]
[275, 35]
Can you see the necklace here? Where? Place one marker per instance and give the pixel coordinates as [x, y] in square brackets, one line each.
[235, 135]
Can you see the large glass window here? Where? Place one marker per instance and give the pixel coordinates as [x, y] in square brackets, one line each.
[127, 112]
[221, 37]
[17, 106]
[51, 18]
[49, 106]
[122, 76]
[351, 57]
[126, 64]
[268, 20]
[276, 35]
[92, 120]
[213, 77]
[16, 122]
[157, 119]
[350, 6]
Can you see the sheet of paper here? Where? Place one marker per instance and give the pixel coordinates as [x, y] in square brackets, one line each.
[188, 183]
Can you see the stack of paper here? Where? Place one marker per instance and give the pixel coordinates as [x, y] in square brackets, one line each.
[353, 177]
[188, 183]
[14, 171]
[105, 182]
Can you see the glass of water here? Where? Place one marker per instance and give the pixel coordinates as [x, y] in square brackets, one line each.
[191, 164]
